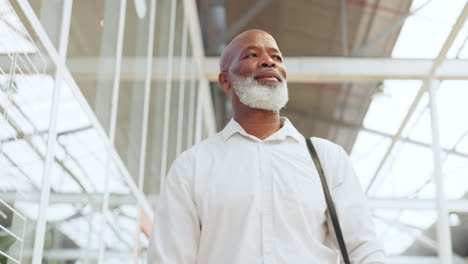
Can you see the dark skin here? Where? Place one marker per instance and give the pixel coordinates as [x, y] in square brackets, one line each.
[249, 52]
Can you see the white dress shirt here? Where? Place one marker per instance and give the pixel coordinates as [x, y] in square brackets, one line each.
[236, 199]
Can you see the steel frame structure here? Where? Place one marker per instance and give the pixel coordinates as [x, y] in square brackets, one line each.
[301, 70]
[63, 75]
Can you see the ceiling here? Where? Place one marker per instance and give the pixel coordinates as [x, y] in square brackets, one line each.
[312, 28]
[301, 28]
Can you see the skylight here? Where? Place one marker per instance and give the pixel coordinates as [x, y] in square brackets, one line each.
[407, 173]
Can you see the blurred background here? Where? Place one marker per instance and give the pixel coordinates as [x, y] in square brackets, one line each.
[97, 98]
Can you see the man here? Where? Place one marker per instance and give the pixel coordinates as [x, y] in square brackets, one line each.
[251, 194]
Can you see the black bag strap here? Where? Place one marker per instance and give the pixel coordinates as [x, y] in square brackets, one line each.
[328, 198]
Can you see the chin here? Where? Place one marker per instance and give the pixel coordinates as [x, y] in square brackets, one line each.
[264, 106]
[268, 83]
[263, 95]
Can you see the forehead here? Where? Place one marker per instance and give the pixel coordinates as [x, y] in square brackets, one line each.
[256, 40]
[243, 42]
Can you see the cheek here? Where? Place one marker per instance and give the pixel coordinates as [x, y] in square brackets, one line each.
[283, 71]
[244, 69]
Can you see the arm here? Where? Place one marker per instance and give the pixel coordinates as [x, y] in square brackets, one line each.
[176, 228]
[144, 223]
[355, 219]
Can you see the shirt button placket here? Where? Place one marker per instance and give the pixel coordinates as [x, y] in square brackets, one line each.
[267, 210]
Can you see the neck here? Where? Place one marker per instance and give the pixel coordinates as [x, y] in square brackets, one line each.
[257, 122]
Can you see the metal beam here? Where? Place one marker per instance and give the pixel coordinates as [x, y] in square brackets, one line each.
[344, 28]
[54, 56]
[454, 206]
[389, 30]
[20, 135]
[443, 227]
[112, 123]
[167, 95]
[69, 198]
[444, 238]
[181, 103]
[360, 127]
[106, 64]
[416, 260]
[396, 137]
[423, 239]
[190, 11]
[144, 123]
[52, 137]
[432, 72]
[215, 25]
[191, 106]
[300, 69]
[73, 254]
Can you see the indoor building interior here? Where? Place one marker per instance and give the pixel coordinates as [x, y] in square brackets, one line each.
[98, 98]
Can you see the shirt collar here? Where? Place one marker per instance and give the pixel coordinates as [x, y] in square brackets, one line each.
[287, 130]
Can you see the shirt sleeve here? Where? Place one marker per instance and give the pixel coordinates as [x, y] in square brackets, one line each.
[362, 243]
[176, 228]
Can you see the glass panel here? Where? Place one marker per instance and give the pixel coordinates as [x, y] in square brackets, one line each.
[424, 33]
[92, 52]
[404, 230]
[369, 149]
[82, 161]
[26, 86]
[78, 186]
[397, 95]
[157, 102]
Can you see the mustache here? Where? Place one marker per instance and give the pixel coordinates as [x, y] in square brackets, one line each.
[269, 70]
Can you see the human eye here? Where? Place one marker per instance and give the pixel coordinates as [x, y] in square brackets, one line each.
[277, 57]
[250, 54]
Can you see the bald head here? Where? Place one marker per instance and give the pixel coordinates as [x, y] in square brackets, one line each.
[242, 41]
[252, 72]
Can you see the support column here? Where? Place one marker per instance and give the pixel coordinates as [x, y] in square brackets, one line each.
[144, 122]
[443, 225]
[102, 101]
[138, 91]
[50, 17]
[112, 123]
[192, 100]
[181, 104]
[167, 98]
[52, 138]
[198, 111]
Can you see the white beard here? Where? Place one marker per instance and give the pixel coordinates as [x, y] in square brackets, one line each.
[261, 96]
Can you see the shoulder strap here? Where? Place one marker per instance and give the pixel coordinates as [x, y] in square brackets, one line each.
[328, 198]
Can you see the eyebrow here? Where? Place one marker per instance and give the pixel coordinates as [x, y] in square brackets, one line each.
[256, 47]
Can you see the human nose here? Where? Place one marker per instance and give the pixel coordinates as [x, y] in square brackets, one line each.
[267, 61]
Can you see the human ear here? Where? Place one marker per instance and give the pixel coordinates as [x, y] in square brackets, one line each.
[223, 80]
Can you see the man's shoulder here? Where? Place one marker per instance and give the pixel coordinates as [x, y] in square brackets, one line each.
[325, 144]
[188, 158]
[328, 149]
[206, 145]
[334, 160]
